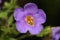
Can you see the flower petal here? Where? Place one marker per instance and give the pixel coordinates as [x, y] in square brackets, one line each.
[55, 33]
[36, 29]
[31, 7]
[19, 13]
[40, 16]
[0, 1]
[54, 30]
[21, 27]
[57, 37]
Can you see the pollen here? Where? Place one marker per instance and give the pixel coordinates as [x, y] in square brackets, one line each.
[29, 20]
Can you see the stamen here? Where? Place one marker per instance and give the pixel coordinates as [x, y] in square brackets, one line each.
[29, 20]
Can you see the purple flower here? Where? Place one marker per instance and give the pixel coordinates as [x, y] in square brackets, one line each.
[0, 1]
[56, 33]
[0, 4]
[29, 18]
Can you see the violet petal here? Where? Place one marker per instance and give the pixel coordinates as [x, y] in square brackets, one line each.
[40, 17]
[19, 13]
[36, 29]
[31, 7]
[21, 27]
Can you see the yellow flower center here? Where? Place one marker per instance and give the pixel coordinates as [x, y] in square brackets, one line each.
[29, 20]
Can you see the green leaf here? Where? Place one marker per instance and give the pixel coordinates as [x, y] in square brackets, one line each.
[10, 5]
[3, 14]
[7, 5]
[5, 29]
[10, 20]
[44, 32]
[12, 39]
[13, 4]
[13, 29]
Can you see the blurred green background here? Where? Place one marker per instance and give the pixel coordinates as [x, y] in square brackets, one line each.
[7, 22]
